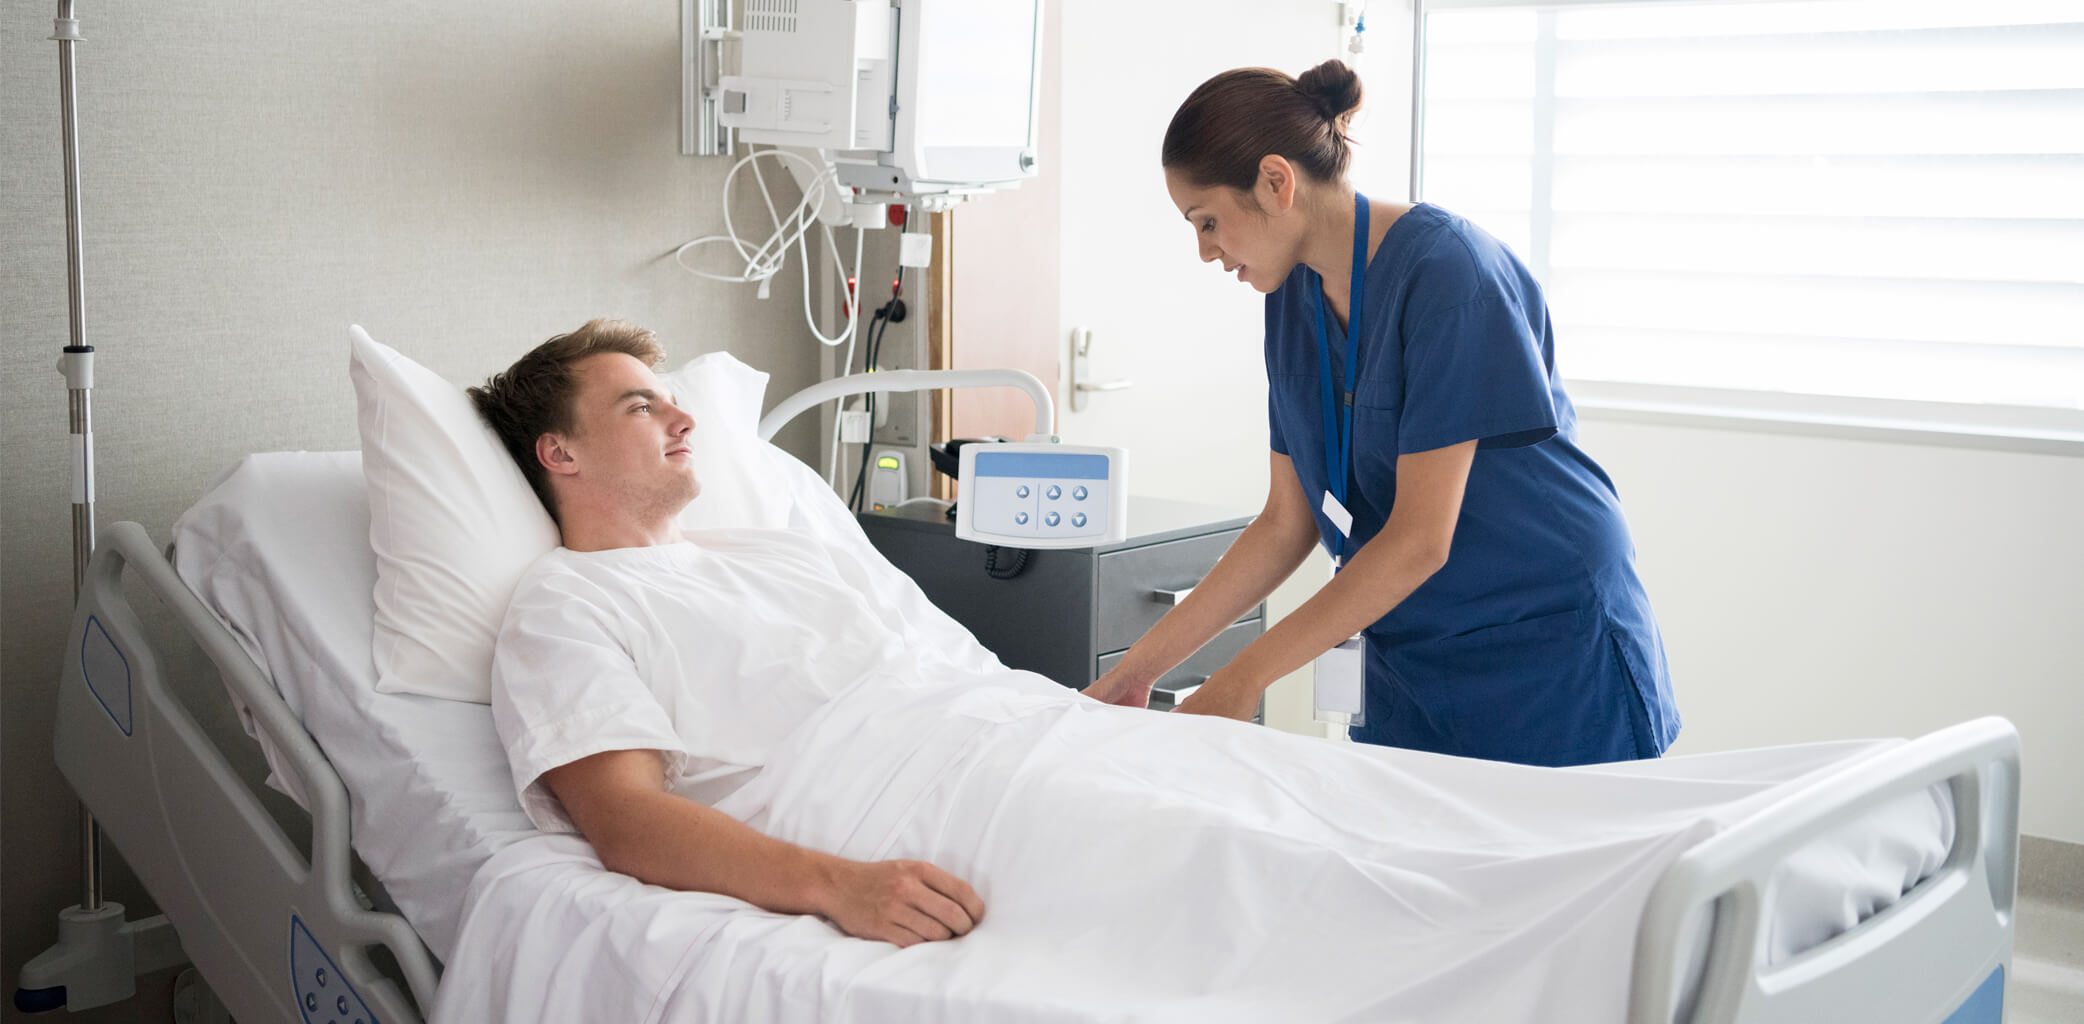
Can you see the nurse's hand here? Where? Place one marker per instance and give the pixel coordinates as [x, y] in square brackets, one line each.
[1116, 687]
[1223, 696]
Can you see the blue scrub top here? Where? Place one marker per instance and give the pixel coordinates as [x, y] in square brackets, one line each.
[1535, 643]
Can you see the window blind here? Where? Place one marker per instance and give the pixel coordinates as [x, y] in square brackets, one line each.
[1867, 199]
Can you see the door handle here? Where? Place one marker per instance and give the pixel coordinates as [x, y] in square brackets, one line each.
[1171, 597]
[1081, 347]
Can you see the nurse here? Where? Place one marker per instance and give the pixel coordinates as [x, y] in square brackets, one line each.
[1420, 432]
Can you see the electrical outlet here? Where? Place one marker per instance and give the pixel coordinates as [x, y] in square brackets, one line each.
[853, 426]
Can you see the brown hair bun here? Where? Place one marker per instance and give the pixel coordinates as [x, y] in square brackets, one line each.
[1231, 121]
[1334, 88]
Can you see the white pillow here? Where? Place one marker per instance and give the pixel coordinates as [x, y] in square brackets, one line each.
[454, 524]
[724, 395]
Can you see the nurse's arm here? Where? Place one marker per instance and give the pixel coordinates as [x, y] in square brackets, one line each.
[1262, 557]
[1411, 547]
[619, 801]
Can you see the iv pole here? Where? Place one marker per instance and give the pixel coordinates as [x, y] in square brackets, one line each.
[77, 364]
[98, 955]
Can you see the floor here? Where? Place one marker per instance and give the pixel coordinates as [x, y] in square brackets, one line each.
[2048, 947]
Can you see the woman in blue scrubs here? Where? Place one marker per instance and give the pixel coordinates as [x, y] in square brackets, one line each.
[1421, 434]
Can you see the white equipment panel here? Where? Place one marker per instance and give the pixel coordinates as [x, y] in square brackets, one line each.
[1042, 495]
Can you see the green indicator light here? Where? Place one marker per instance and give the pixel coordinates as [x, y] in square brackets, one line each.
[887, 462]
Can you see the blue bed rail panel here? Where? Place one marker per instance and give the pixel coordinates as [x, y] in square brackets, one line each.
[1985, 1006]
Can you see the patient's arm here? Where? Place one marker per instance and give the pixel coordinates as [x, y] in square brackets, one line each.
[620, 802]
[1261, 558]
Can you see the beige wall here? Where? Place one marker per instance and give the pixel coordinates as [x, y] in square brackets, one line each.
[463, 179]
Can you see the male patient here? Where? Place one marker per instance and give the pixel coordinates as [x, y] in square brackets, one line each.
[617, 654]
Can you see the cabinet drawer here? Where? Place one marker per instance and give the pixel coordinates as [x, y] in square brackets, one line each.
[1205, 661]
[1127, 600]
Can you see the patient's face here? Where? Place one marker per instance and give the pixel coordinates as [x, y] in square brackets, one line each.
[631, 443]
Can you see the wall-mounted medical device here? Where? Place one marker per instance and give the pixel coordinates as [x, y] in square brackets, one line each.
[917, 101]
[1042, 495]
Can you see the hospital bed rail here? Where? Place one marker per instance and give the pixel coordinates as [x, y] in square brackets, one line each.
[1939, 954]
[273, 933]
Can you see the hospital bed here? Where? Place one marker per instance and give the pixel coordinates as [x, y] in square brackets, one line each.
[349, 913]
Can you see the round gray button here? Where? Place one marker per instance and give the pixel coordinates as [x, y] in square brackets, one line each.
[1077, 519]
[1077, 494]
[1053, 493]
[341, 1004]
[1022, 492]
[1020, 518]
[1052, 519]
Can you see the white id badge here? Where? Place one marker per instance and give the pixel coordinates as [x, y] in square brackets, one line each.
[1338, 515]
[1341, 677]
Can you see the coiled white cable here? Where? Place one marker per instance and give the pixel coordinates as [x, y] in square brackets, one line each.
[763, 263]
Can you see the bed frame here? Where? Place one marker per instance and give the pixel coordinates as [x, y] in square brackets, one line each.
[277, 935]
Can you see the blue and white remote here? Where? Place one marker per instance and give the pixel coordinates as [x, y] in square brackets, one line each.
[1030, 495]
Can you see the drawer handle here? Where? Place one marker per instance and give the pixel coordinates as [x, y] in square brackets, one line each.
[1175, 695]
[1171, 597]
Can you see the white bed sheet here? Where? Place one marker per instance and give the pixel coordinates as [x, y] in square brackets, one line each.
[279, 551]
[1136, 867]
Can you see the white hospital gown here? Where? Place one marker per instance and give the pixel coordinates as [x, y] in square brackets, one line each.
[710, 651]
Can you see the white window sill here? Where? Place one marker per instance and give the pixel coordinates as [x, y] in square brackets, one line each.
[2040, 431]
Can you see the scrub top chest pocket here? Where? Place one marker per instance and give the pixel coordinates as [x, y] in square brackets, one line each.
[1377, 411]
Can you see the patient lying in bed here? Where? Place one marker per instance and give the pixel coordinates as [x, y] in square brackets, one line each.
[641, 677]
[737, 712]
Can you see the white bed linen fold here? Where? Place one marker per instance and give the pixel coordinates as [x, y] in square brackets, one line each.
[1136, 867]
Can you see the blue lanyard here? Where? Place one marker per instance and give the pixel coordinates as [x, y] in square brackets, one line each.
[1338, 410]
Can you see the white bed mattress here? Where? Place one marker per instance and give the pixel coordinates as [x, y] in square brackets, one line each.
[279, 550]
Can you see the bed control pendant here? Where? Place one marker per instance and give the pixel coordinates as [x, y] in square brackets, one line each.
[1042, 495]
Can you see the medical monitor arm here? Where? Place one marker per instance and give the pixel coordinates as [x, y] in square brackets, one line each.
[915, 380]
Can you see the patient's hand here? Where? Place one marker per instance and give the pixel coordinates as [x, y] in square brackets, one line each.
[901, 902]
[1117, 687]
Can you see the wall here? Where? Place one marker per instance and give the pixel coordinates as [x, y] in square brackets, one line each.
[462, 179]
[1814, 588]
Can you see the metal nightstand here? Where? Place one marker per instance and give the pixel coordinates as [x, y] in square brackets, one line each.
[1070, 614]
